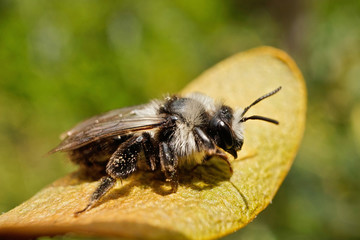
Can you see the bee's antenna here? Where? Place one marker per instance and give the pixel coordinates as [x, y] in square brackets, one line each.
[256, 117]
[255, 102]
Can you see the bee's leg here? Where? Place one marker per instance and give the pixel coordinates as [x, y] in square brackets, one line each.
[121, 164]
[123, 161]
[150, 151]
[169, 165]
[203, 141]
[221, 155]
[105, 185]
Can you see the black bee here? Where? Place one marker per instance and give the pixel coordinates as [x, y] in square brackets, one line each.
[164, 135]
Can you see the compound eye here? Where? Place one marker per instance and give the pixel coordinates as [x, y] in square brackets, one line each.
[224, 133]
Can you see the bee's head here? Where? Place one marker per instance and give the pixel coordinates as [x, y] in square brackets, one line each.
[226, 127]
[222, 131]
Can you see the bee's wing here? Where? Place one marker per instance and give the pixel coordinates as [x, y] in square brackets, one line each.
[114, 123]
[105, 117]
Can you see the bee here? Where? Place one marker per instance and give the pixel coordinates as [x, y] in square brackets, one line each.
[163, 135]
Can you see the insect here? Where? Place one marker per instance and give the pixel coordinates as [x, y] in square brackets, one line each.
[164, 135]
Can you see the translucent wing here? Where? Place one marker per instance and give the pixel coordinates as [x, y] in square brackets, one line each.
[108, 116]
[114, 123]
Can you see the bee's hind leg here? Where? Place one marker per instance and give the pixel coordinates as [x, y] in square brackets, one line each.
[105, 185]
[121, 164]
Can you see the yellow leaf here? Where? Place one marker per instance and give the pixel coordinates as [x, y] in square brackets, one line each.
[210, 202]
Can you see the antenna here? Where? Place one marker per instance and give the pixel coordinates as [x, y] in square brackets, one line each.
[260, 99]
[256, 117]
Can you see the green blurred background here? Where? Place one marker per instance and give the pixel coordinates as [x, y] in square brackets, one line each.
[63, 61]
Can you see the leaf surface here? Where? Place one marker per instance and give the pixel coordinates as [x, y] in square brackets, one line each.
[211, 201]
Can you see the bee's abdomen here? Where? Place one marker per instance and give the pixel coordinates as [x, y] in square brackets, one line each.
[96, 154]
